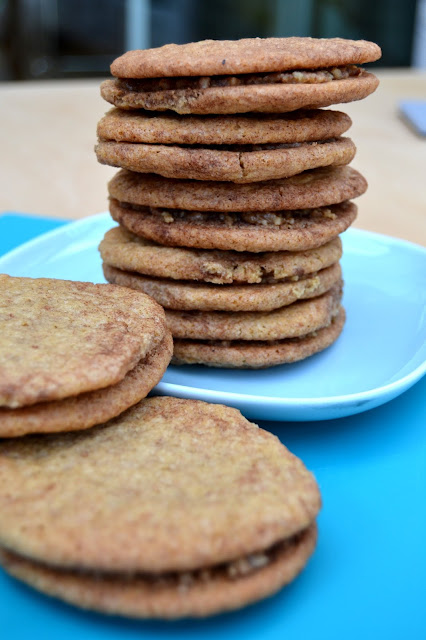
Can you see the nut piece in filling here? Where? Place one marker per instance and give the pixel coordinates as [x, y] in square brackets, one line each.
[301, 76]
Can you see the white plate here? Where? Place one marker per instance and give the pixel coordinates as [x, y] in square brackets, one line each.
[380, 354]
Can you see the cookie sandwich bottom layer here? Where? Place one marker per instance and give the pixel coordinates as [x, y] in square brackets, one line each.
[240, 354]
[171, 595]
[255, 232]
[183, 295]
[125, 251]
[94, 407]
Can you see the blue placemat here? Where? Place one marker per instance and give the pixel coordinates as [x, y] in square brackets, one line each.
[367, 578]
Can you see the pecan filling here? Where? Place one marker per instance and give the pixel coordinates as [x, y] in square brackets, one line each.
[269, 146]
[300, 218]
[233, 570]
[302, 76]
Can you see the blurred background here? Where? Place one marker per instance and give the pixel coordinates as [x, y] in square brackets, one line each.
[79, 38]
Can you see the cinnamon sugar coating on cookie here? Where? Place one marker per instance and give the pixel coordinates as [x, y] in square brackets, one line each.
[93, 407]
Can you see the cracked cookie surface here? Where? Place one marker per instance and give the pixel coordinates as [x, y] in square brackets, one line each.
[202, 163]
[170, 128]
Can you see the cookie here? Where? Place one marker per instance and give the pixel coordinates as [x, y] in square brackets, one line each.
[248, 163]
[128, 252]
[61, 340]
[170, 128]
[213, 297]
[272, 75]
[316, 188]
[204, 511]
[295, 320]
[93, 407]
[248, 55]
[257, 217]
[294, 230]
[257, 355]
[268, 98]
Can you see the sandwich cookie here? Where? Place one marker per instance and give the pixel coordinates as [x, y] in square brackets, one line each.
[205, 512]
[213, 297]
[272, 75]
[257, 339]
[245, 148]
[295, 320]
[310, 189]
[253, 354]
[73, 354]
[293, 214]
[127, 252]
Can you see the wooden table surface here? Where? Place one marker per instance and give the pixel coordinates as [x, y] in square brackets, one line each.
[48, 167]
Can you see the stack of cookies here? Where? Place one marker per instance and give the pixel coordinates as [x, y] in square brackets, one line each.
[230, 208]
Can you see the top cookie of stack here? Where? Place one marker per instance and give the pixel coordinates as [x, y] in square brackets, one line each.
[250, 192]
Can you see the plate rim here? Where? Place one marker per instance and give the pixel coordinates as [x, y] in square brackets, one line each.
[362, 397]
[325, 401]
